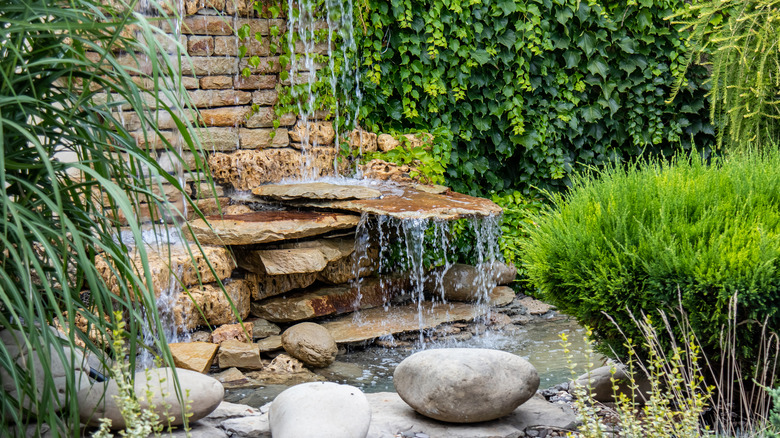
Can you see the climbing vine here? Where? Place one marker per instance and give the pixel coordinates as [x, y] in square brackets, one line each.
[531, 89]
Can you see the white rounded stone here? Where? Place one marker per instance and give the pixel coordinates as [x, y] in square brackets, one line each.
[465, 385]
[322, 410]
[203, 395]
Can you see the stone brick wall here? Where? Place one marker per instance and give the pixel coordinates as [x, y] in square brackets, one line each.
[241, 146]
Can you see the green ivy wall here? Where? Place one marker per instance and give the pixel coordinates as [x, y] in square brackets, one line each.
[531, 89]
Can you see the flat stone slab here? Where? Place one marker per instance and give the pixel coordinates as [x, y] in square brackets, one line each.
[410, 203]
[391, 416]
[267, 226]
[315, 190]
[301, 306]
[378, 322]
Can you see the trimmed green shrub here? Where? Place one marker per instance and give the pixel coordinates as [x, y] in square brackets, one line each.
[653, 236]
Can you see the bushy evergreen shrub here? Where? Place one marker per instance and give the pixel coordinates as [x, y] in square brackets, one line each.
[652, 236]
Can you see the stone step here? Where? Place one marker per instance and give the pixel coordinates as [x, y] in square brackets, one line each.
[315, 191]
[267, 226]
[324, 301]
[377, 322]
[411, 203]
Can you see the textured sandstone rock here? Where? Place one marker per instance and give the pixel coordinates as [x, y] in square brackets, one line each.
[186, 264]
[322, 409]
[386, 142]
[321, 302]
[320, 133]
[465, 385]
[270, 285]
[284, 370]
[233, 353]
[205, 394]
[232, 332]
[193, 356]
[247, 169]
[232, 378]
[362, 140]
[271, 343]
[268, 226]
[211, 302]
[263, 329]
[283, 261]
[385, 171]
[261, 138]
[217, 98]
[310, 343]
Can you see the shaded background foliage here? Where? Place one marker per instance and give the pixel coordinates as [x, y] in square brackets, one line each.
[531, 90]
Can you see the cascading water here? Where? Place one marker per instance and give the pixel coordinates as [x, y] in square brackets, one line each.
[413, 257]
[163, 240]
[304, 32]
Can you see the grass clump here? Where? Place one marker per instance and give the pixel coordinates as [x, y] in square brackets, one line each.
[644, 237]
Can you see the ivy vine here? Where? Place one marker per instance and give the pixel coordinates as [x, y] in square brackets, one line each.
[532, 89]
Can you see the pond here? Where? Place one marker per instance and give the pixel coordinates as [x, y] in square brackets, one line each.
[371, 368]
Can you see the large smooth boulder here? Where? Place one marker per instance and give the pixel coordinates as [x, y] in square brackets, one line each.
[465, 385]
[600, 383]
[320, 409]
[155, 388]
[311, 343]
[74, 370]
[463, 283]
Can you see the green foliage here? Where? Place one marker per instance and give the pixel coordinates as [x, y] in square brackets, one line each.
[740, 42]
[428, 160]
[517, 217]
[774, 415]
[532, 90]
[677, 399]
[66, 71]
[643, 237]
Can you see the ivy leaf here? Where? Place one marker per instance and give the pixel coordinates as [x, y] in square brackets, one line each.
[627, 44]
[508, 6]
[564, 15]
[508, 38]
[481, 56]
[572, 58]
[591, 113]
[645, 18]
[597, 66]
[587, 42]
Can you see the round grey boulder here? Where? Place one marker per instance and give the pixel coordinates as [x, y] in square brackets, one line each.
[462, 283]
[465, 385]
[310, 343]
[321, 409]
[203, 394]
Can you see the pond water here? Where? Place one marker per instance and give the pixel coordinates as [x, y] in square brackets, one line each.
[371, 368]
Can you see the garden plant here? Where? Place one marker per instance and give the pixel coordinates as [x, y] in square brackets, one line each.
[70, 173]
